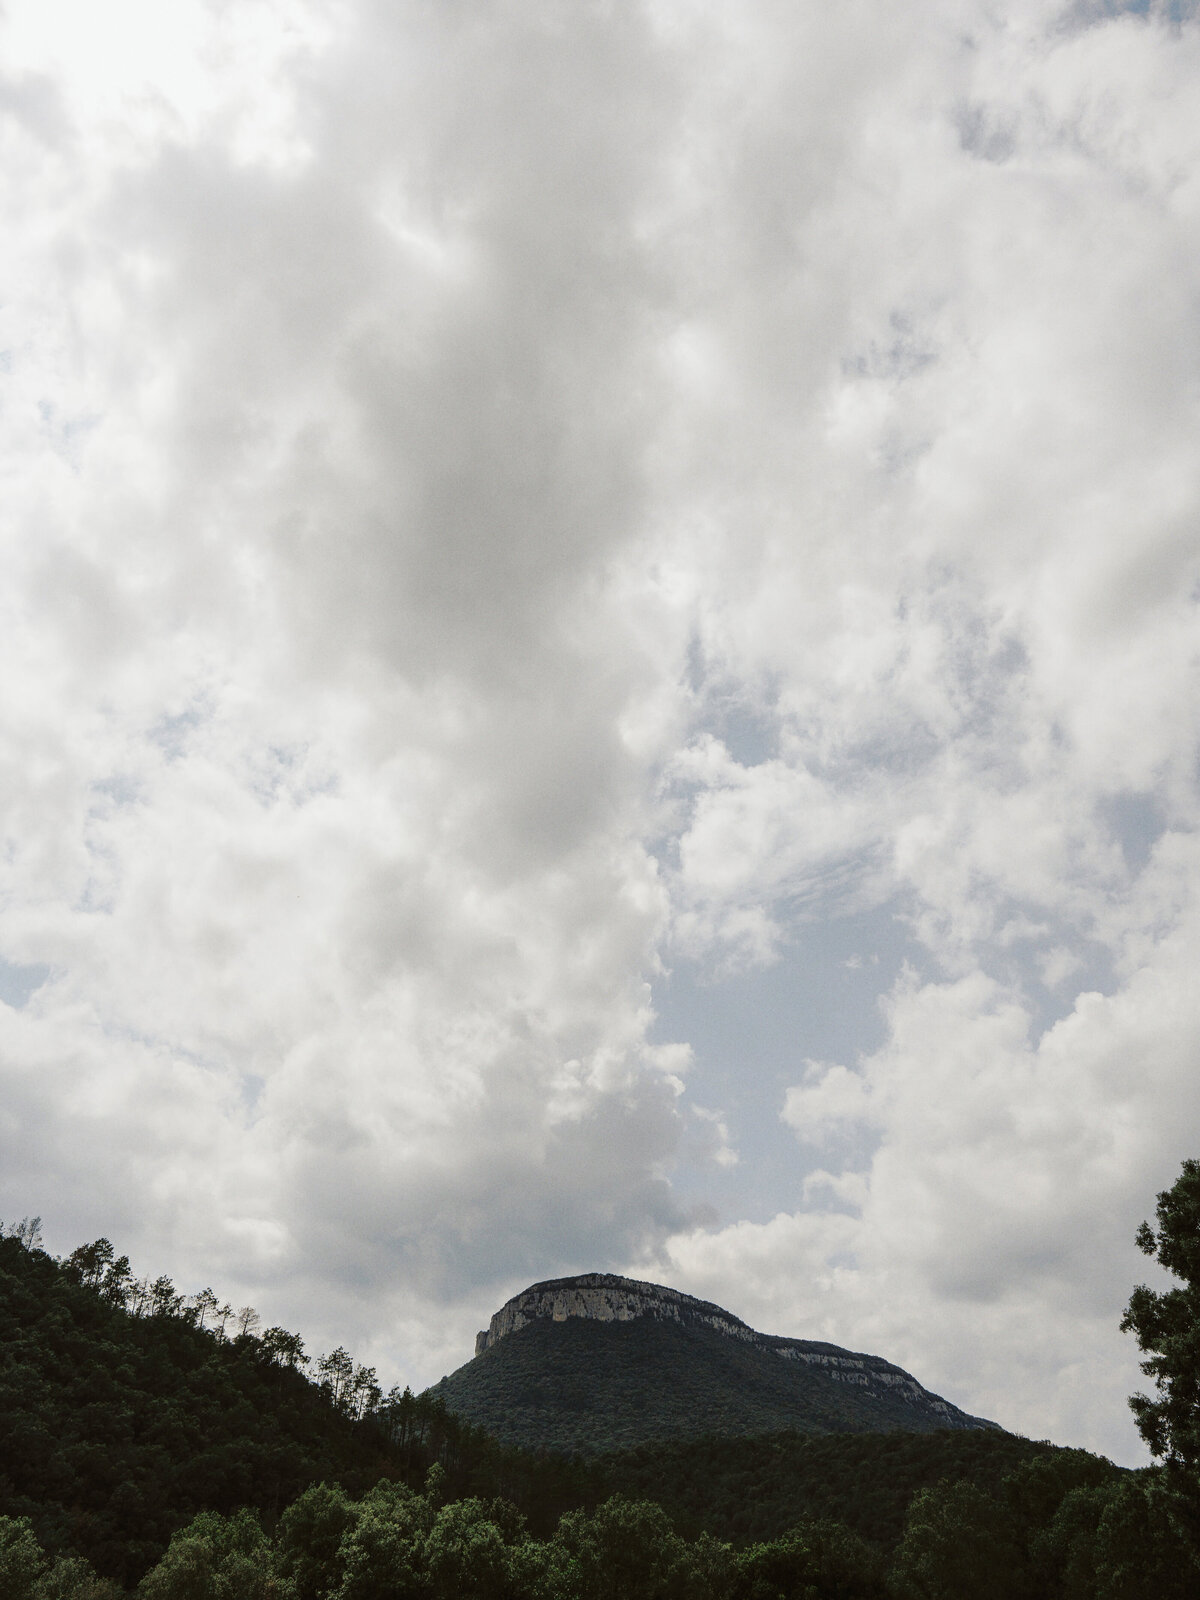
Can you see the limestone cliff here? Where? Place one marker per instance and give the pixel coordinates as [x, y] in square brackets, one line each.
[605, 1297]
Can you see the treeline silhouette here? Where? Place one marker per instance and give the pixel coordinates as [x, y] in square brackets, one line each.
[169, 1445]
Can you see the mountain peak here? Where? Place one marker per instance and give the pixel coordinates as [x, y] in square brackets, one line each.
[606, 1297]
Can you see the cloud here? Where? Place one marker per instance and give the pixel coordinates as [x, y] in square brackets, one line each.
[831, 1098]
[327, 665]
[987, 1236]
[507, 501]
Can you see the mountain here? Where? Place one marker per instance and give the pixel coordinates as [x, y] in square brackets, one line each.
[598, 1363]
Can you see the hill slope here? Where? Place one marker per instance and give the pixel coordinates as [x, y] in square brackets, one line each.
[601, 1363]
[749, 1489]
[115, 1429]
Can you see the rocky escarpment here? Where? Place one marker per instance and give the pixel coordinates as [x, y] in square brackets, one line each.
[606, 1298]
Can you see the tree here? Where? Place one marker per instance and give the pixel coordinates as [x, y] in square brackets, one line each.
[336, 1376]
[382, 1556]
[137, 1300]
[247, 1320]
[624, 1550]
[118, 1282]
[22, 1559]
[1166, 1324]
[72, 1578]
[1065, 1552]
[217, 1558]
[958, 1541]
[164, 1301]
[1138, 1549]
[205, 1305]
[27, 1232]
[311, 1531]
[284, 1348]
[466, 1554]
[365, 1392]
[89, 1263]
[814, 1558]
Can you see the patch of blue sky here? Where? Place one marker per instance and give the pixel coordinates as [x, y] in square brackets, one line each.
[1089, 13]
[1088, 970]
[20, 981]
[250, 1088]
[750, 733]
[119, 789]
[744, 716]
[1137, 822]
[752, 1032]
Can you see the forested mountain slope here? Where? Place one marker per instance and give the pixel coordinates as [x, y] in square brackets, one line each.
[601, 1363]
[116, 1426]
[752, 1489]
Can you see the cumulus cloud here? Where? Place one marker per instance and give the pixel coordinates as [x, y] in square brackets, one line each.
[505, 501]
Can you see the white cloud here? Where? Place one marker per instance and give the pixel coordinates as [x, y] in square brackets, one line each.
[830, 1099]
[503, 500]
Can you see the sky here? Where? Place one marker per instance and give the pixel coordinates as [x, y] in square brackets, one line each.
[598, 663]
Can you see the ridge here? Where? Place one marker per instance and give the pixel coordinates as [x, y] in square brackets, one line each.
[609, 1298]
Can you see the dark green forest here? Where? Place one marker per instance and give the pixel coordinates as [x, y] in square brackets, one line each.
[171, 1447]
[595, 1387]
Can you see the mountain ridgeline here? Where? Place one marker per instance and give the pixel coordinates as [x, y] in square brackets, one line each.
[598, 1363]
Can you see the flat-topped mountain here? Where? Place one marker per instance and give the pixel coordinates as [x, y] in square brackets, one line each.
[599, 1362]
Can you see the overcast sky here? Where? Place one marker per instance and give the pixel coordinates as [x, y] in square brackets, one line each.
[599, 662]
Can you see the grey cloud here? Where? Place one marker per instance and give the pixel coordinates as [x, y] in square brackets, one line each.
[466, 452]
[511, 1212]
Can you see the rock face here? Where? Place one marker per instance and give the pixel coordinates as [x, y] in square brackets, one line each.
[604, 1297]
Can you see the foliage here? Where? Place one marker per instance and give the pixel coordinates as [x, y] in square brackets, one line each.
[382, 1556]
[1138, 1553]
[217, 1558]
[26, 1573]
[590, 1387]
[1050, 1531]
[752, 1490]
[124, 1411]
[1166, 1324]
[22, 1559]
[624, 1547]
[817, 1559]
[958, 1541]
[311, 1531]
